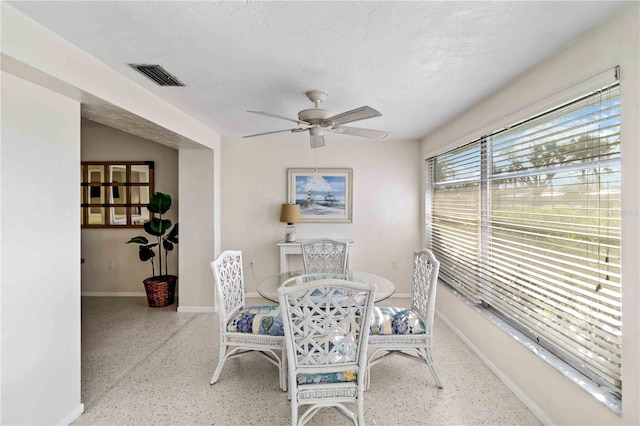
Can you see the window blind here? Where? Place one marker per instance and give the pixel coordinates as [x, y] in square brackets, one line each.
[526, 221]
[455, 218]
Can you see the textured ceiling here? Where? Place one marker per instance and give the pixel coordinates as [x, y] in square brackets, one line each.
[419, 63]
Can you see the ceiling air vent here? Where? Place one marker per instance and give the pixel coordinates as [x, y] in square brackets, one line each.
[157, 74]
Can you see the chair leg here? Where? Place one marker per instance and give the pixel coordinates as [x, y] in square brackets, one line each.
[283, 370]
[432, 368]
[221, 358]
[435, 375]
[367, 377]
[350, 414]
[422, 354]
[294, 413]
[360, 403]
[313, 410]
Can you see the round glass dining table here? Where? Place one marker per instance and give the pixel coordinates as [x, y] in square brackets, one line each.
[268, 287]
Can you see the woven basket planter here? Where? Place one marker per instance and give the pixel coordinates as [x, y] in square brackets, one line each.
[161, 291]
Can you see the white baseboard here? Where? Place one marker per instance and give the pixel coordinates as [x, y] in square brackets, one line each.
[72, 416]
[114, 293]
[187, 309]
[532, 406]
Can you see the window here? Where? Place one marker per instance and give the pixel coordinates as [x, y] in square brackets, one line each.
[526, 223]
[115, 194]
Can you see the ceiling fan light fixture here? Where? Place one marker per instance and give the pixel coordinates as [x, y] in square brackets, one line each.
[317, 140]
[316, 131]
[317, 136]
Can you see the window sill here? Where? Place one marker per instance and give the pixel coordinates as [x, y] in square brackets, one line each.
[613, 403]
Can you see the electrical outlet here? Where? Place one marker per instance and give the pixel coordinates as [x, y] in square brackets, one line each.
[111, 264]
[394, 264]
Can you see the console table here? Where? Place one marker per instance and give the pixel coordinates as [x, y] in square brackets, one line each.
[294, 248]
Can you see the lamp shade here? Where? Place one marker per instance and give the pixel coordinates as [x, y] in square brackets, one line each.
[290, 213]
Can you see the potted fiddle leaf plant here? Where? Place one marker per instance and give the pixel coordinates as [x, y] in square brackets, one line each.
[160, 288]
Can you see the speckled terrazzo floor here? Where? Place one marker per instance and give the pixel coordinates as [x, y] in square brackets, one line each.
[152, 366]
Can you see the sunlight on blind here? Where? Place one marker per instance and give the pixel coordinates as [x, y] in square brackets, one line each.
[455, 225]
[533, 231]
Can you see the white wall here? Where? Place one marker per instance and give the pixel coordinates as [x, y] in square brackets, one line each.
[613, 43]
[41, 338]
[40, 255]
[99, 245]
[199, 219]
[34, 53]
[386, 202]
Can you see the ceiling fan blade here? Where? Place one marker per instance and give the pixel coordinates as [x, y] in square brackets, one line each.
[354, 115]
[317, 140]
[275, 131]
[356, 131]
[268, 114]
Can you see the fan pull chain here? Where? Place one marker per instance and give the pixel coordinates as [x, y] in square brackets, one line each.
[315, 160]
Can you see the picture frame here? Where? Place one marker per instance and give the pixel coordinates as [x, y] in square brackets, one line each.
[324, 195]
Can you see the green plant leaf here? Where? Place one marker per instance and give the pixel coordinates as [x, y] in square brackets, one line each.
[146, 253]
[149, 229]
[173, 235]
[159, 203]
[139, 240]
[157, 227]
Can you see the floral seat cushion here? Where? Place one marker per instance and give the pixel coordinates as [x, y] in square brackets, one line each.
[388, 321]
[257, 320]
[337, 377]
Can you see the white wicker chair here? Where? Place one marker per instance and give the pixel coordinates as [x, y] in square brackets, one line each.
[244, 329]
[326, 323]
[324, 255]
[408, 332]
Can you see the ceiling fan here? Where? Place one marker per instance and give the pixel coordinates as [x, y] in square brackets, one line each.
[318, 121]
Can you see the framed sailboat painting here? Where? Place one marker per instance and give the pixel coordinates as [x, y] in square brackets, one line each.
[324, 195]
